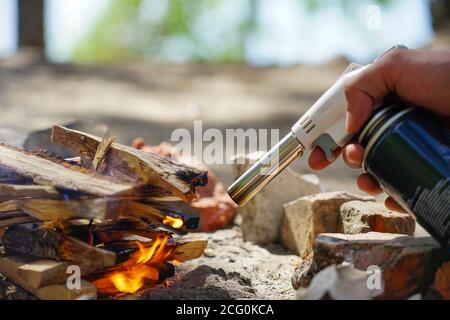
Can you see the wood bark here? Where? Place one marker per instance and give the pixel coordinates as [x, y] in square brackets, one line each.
[35, 240]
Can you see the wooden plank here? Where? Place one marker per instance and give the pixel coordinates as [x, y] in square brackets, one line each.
[17, 191]
[182, 249]
[15, 267]
[35, 240]
[56, 210]
[11, 218]
[45, 169]
[38, 273]
[11, 214]
[16, 220]
[148, 167]
[161, 213]
[185, 250]
[98, 162]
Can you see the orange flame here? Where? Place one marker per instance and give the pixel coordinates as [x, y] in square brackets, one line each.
[132, 280]
[175, 223]
[135, 272]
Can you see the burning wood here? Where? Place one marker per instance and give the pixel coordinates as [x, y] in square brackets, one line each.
[114, 217]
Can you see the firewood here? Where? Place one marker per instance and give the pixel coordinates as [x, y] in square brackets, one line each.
[17, 220]
[97, 232]
[185, 250]
[34, 240]
[101, 208]
[12, 218]
[147, 167]
[98, 162]
[14, 191]
[161, 213]
[45, 169]
[11, 214]
[56, 210]
[8, 176]
[182, 250]
[32, 277]
[36, 272]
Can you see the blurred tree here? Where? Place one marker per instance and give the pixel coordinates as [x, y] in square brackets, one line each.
[175, 29]
[181, 30]
[31, 24]
[441, 13]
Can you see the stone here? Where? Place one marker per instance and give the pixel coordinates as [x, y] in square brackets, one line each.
[304, 273]
[305, 218]
[339, 282]
[261, 217]
[407, 263]
[362, 217]
[442, 281]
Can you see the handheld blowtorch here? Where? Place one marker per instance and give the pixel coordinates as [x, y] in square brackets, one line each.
[323, 125]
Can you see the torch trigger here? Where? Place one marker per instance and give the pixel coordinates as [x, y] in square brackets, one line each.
[328, 145]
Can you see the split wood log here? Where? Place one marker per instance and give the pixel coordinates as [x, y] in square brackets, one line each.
[17, 220]
[15, 191]
[57, 210]
[181, 249]
[185, 250]
[46, 169]
[12, 218]
[34, 240]
[100, 208]
[98, 162]
[8, 176]
[161, 213]
[36, 272]
[30, 277]
[147, 167]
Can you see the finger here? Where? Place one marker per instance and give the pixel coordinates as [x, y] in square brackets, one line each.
[393, 205]
[371, 84]
[366, 184]
[317, 159]
[359, 108]
[353, 155]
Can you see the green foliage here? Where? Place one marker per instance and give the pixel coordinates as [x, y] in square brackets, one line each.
[121, 34]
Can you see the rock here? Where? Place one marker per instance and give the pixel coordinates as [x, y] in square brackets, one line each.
[216, 212]
[442, 281]
[304, 218]
[407, 263]
[303, 273]
[362, 217]
[261, 216]
[342, 282]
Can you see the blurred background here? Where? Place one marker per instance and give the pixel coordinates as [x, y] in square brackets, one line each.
[147, 67]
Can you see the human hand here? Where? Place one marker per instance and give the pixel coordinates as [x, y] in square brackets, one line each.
[419, 77]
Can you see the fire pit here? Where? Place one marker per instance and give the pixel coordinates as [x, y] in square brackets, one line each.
[112, 216]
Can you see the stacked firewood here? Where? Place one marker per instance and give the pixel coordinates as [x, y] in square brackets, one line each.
[112, 214]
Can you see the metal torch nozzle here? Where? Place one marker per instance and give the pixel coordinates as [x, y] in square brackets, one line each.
[267, 168]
